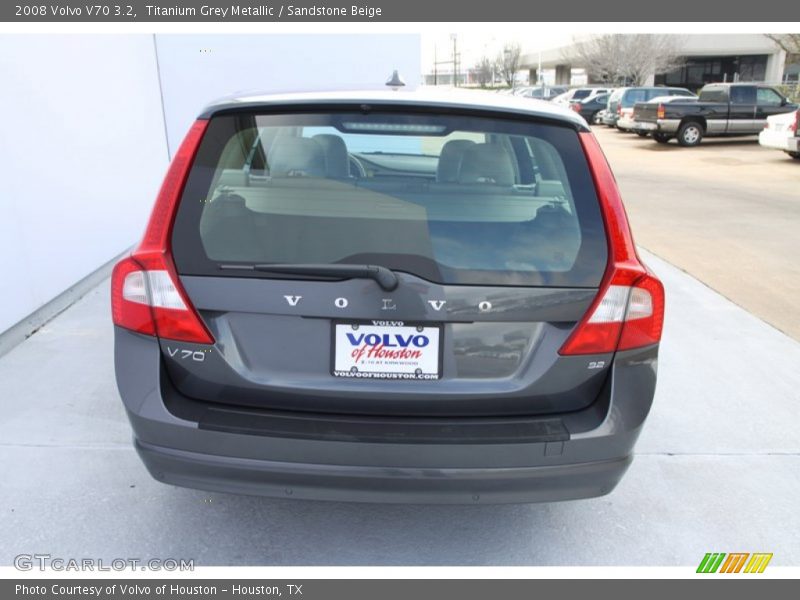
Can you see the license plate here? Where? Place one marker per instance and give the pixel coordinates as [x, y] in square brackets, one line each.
[387, 350]
[645, 126]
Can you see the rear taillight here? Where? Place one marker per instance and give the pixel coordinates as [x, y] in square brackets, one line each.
[576, 106]
[795, 127]
[628, 311]
[660, 112]
[146, 294]
[619, 109]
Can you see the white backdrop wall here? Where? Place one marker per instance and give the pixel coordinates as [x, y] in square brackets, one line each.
[82, 151]
[88, 121]
[196, 69]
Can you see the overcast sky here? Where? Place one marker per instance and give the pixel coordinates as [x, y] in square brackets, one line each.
[473, 45]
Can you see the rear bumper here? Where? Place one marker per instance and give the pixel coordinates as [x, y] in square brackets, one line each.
[644, 126]
[566, 456]
[381, 484]
[625, 122]
[669, 126]
[779, 141]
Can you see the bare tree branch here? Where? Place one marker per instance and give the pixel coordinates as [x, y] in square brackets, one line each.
[788, 42]
[628, 59]
[484, 69]
[508, 62]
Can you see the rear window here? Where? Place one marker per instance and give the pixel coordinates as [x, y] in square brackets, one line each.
[579, 94]
[631, 97]
[452, 199]
[714, 94]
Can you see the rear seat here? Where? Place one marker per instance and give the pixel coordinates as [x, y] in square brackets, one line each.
[450, 160]
[297, 157]
[486, 164]
[337, 159]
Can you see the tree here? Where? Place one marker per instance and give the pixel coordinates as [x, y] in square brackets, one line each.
[628, 59]
[788, 42]
[508, 63]
[484, 71]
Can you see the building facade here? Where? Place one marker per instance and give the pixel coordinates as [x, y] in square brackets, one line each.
[706, 59]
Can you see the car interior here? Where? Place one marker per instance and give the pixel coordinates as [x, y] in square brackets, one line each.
[466, 200]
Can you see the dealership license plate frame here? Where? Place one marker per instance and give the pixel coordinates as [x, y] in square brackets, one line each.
[388, 324]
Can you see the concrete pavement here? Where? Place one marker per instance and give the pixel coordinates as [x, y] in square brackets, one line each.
[727, 211]
[718, 467]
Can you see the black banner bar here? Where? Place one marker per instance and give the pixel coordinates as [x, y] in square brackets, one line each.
[709, 586]
[409, 10]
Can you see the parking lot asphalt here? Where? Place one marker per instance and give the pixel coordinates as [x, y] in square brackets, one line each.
[717, 468]
[727, 212]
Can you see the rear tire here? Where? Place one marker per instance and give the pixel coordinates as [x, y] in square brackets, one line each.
[642, 134]
[690, 134]
[794, 155]
[662, 138]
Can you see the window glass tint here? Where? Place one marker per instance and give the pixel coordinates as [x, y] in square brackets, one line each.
[452, 199]
[713, 94]
[768, 97]
[743, 95]
[579, 94]
[631, 97]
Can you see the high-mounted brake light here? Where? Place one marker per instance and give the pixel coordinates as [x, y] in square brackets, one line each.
[146, 294]
[628, 311]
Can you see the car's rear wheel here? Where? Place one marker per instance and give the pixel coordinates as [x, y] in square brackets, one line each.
[642, 134]
[662, 138]
[690, 134]
[794, 155]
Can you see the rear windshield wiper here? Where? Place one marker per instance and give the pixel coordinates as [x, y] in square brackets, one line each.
[385, 277]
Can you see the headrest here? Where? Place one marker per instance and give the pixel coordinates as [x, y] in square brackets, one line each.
[296, 157]
[336, 157]
[486, 163]
[450, 160]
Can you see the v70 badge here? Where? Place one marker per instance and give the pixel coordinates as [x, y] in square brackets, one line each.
[183, 354]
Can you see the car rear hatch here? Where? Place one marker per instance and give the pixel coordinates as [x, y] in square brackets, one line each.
[386, 261]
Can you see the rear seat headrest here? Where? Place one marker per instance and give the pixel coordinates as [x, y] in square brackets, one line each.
[450, 160]
[296, 157]
[486, 163]
[337, 158]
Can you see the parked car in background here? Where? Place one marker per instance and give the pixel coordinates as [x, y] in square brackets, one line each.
[723, 109]
[580, 93]
[782, 132]
[630, 96]
[610, 117]
[588, 108]
[539, 92]
[644, 130]
[388, 297]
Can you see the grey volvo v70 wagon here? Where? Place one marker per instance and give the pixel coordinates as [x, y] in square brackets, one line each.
[389, 296]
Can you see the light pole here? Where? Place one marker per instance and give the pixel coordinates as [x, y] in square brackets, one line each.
[454, 37]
